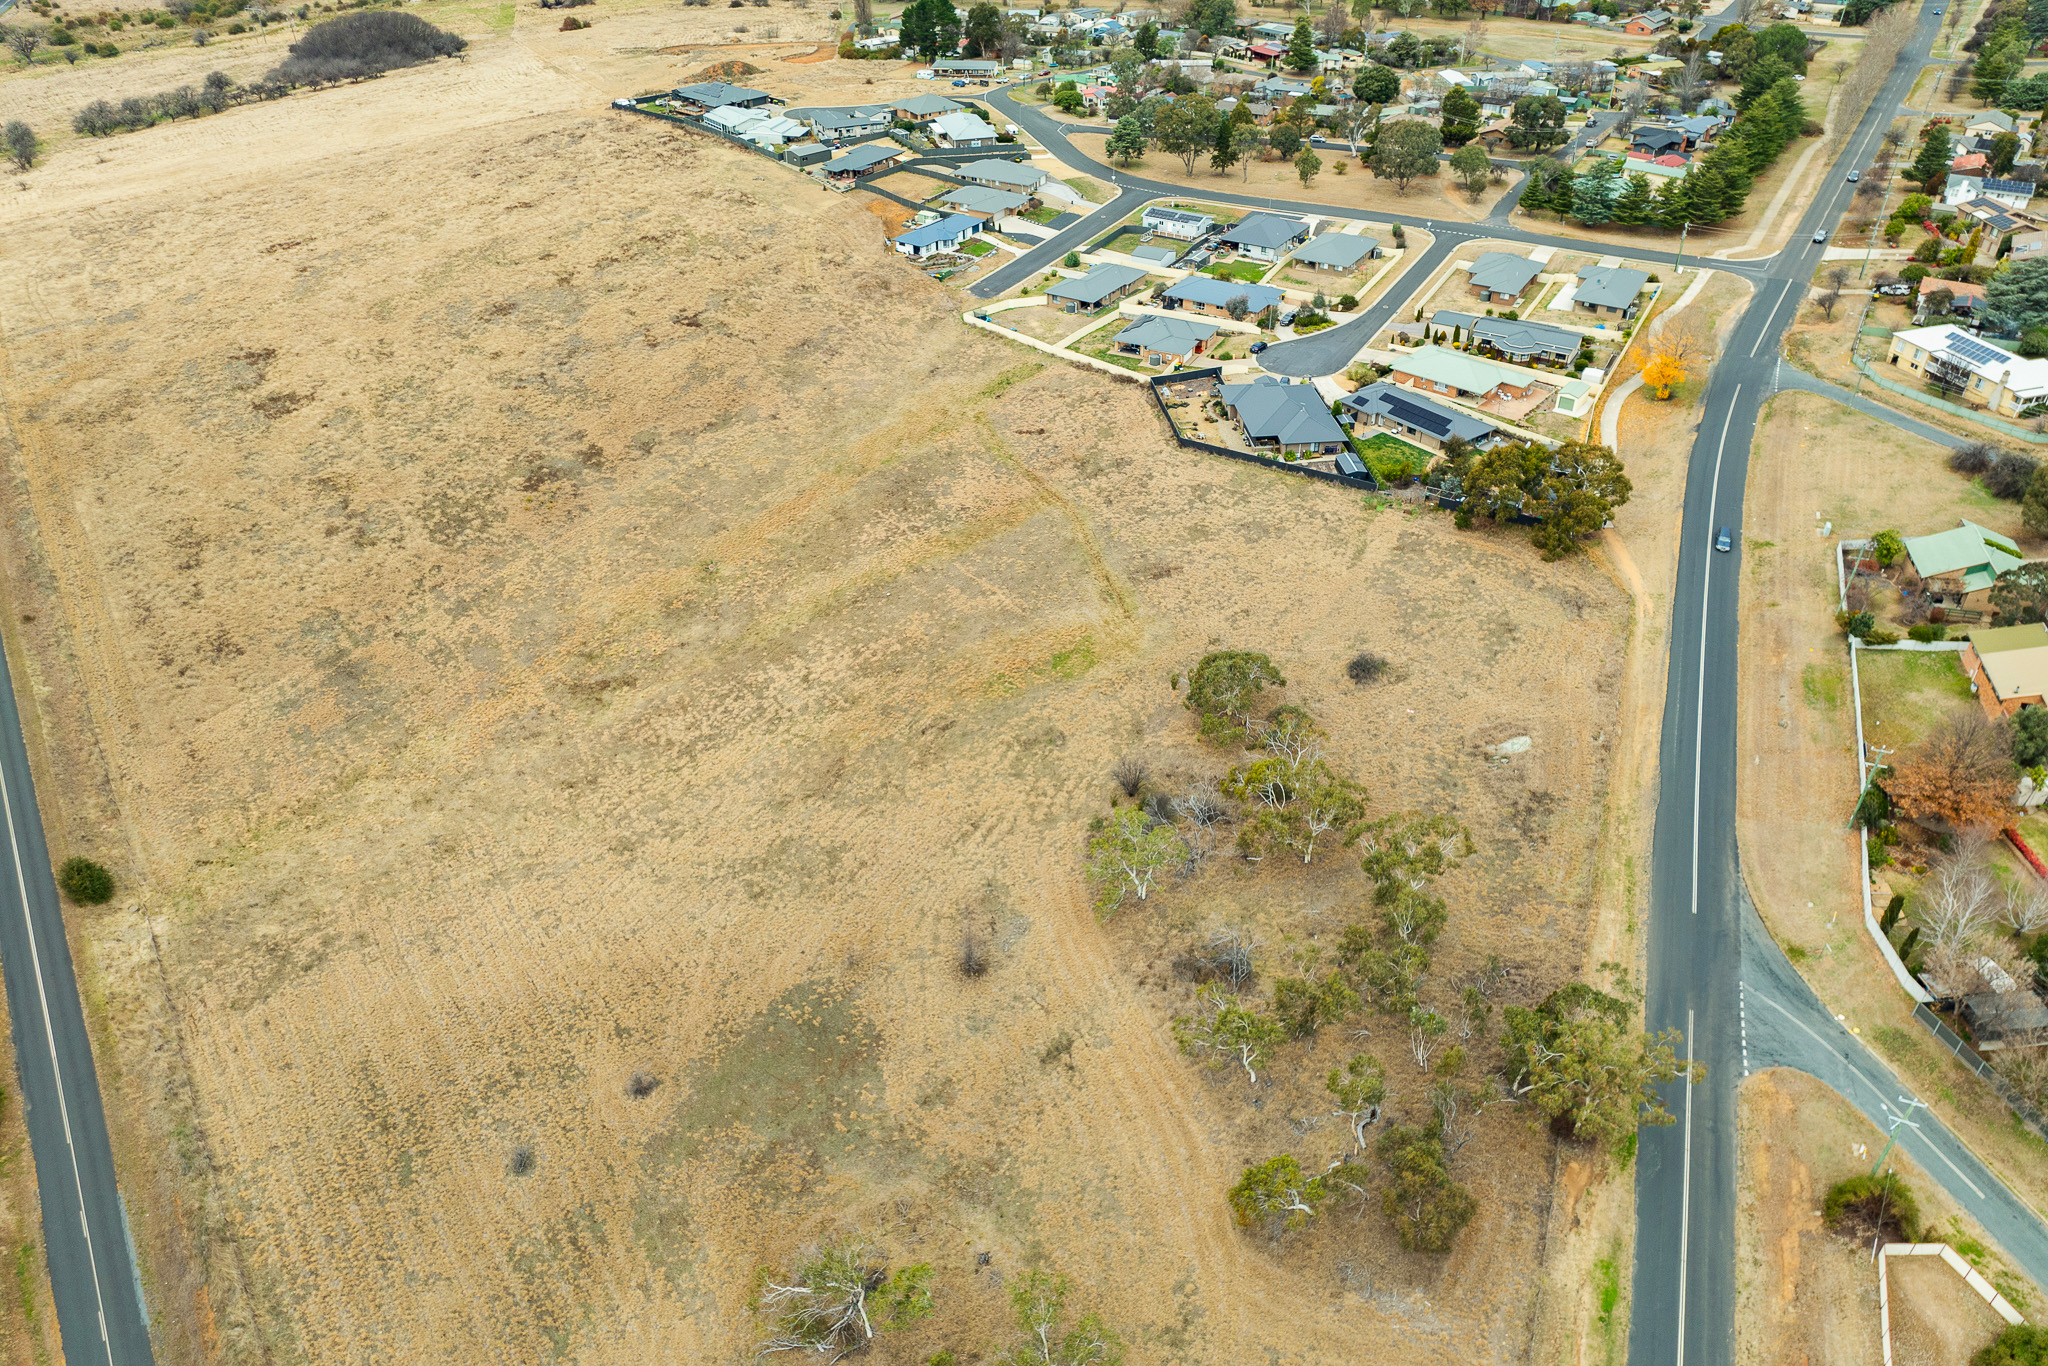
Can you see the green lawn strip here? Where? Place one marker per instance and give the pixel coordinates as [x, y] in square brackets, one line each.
[1391, 459]
[1906, 693]
[1040, 215]
[1087, 189]
[1245, 272]
[976, 248]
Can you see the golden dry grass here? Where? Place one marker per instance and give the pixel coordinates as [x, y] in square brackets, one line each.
[524, 598]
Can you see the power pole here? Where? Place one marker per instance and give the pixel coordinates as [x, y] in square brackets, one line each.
[1870, 247]
[1683, 228]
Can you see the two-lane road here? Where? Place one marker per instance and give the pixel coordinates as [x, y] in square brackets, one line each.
[91, 1260]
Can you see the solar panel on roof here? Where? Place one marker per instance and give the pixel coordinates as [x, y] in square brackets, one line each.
[1435, 423]
[1972, 350]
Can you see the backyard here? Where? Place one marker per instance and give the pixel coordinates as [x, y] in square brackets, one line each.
[1391, 460]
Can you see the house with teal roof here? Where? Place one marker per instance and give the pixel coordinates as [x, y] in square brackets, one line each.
[1958, 568]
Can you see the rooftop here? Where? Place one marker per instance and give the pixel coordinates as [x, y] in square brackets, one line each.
[950, 228]
[1174, 336]
[1204, 289]
[1980, 556]
[1510, 334]
[1337, 250]
[1609, 286]
[1502, 273]
[1384, 399]
[1267, 230]
[1291, 414]
[1098, 284]
[1445, 366]
[961, 126]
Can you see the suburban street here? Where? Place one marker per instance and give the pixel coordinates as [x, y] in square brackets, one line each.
[93, 1274]
[1714, 974]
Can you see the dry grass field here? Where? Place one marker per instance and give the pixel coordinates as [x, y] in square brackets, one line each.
[524, 596]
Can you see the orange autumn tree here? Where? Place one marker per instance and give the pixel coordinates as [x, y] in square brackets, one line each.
[1961, 775]
[1663, 371]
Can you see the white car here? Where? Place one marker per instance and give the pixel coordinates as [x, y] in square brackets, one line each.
[927, 75]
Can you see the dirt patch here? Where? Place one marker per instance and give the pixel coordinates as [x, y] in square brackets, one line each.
[1808, 1293]
[732, 71]
[819, 54]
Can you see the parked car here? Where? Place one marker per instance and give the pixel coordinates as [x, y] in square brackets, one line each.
[1723, 541]
[1287, 318]
[961, 84]
[1257, 347]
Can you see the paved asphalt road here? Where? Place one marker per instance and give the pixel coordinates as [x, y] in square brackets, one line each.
[85, 1234]
[1684, 1283]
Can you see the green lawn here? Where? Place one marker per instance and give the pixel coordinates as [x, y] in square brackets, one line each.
[1040, 215]
[1124, 241]
[1905, 694]
[1390, 458]
[976, 248]
[1250, 272]
[1088, 189]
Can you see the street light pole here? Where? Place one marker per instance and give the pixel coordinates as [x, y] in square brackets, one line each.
[1898, 1120]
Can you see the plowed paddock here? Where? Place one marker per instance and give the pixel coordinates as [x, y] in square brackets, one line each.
[528, 605]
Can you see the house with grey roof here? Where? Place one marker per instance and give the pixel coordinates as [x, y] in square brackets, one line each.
[1518, 341]
[1413, 416]
[992, 205]
[1102, 286]
[842, 125]
[918, 108]
[1336, 251]
[1004, 175]
[1264, 236]
[1205, 294]
[1154, 253]
[1290, 419]
[962, 129]
[865, 159]
[1609, 290]
[933, 238]
[961, 66]
[1500, 278]
[1185, 224]
[711, 94]
[1165, 341]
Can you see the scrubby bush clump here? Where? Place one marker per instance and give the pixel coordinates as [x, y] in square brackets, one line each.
[351, 47]
[1864, 1206]
[86, 882]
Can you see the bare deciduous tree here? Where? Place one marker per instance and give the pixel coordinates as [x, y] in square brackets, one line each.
[2026, 908]
[1130, 774]
[1426, 1030]
[1959, 900]
[1229, 951]
[23, 42]
[1457, 1114]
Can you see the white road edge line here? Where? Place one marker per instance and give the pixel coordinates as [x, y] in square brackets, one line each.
[1858, 1074]
[1685, 1194]
[56, 1069]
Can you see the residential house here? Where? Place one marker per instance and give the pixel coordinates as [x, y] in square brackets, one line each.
[1280, 89]
[1184, 224]
[762, 127]
[919, 108]
[2013, 194]
[2027, 246]
[1003, 175]
[962, 129]
[1510, 339]
[2009, 665]
[1990, 123]
[844, 125]
[1698, 128]
[1205, 294]
[1165, 341]
[1965, 299]
[1288, 418]
[1155, 254]
[865, 159]
[1648, 24]
[1454, 374]
[1996, 217]
[1268, 53]
[1957, 569]
[1498, 277]
[1655, 139]
[1494, 137]
[1972, 369]
[1337, 251]
[1102, 286]
[993, 207]
[2007, 1016]
[1971, 164]
[1660, 169]
[1273, 30]
[1264, 236]
[1389, 405]
[708, 95]
[807, 155]
[1608, 290]
[946, 234]
[961, 66]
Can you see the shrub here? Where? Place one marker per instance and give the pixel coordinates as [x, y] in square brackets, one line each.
[1366, 667]
[1864, 1206]
[2022, 1344]
[1973, 458]
[1927, 631]
[86, 882]
[973, 955]
[1880, 636]
[1347, 303]
[1130, 773]
[367, 43]
[2009, 474]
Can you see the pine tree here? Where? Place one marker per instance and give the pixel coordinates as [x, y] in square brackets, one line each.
[2037, 19]
[1711, 202]
[1301, 48]
[1594, 193]
[1674, 204]
[1930, 168]
[1635, 207]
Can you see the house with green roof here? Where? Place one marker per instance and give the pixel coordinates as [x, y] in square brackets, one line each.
[1958, 568]
[2008, 667]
